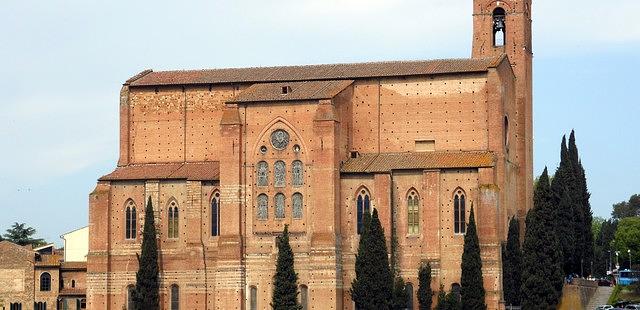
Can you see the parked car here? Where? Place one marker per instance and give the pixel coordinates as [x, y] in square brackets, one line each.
[634, 307]
[604, 282]
[604, 307]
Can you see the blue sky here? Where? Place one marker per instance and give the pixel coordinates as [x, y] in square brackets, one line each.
[63, 62]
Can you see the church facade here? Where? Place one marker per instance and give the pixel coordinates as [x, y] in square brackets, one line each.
[229, 157]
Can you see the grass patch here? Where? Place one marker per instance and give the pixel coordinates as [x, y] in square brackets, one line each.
[624, 293]
[614, 295]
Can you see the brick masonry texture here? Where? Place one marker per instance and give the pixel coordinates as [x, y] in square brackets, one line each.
[362, 134]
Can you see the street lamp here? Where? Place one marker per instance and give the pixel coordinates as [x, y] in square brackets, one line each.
[617, 261]
[610, 271]
[629, 252]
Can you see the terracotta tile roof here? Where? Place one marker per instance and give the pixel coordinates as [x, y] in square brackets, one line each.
[200, 171]
[73, 265]
[308, 90]
[314, 72]
[385, 162]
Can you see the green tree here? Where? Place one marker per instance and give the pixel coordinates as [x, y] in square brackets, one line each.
[400, 295]
[512, 265]
[580, 196]
[596, 226]
[603, 248]
[373, 286]
[285, 281]
[471, 280]
[442, 296]
[542, 277]
[567, 220]
[628, 238]
[627, 208]
[20, 234]
[452, 301]
[147, 283]
[425, 295]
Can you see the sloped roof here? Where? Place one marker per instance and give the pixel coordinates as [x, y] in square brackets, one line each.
[314, 72]
[197, 171]
[385, 162]
[307, 90]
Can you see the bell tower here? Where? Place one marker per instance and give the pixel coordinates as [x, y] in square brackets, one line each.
[504, 27]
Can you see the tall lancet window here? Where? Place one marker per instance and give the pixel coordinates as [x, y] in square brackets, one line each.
[130, 220]
[263, 173]
[499, 27]
[459, 219]
[215, 214]
[362, 206]
[263, 206]
[279, 171]
[279, 203]
[297, 169]
[173, 226]
[413, 214]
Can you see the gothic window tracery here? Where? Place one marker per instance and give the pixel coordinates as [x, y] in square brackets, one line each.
[263, 202]
[296, 201]
[215, 214]
[130, 220]
[279, 203]
[173, 220]
[279, 171]
[298, 170]
[413, 217]
[279, 139]
[263, 173]
[362, 206]
[459, 220]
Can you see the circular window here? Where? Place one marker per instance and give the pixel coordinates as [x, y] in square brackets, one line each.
[263, 150]
[279, 139]
[296, 148]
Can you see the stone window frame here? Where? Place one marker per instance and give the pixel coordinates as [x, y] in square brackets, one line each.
[215, 213]
[173, 219]
[363, 203]
[413, 212]
[459, 211]
[131, 218]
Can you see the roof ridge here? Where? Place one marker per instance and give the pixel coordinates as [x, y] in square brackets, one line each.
[278, 67]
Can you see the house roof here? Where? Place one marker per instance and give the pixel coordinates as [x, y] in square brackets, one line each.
[385, 162]
[73, 265]
[314, 72]
[306, 90]
[197, 171]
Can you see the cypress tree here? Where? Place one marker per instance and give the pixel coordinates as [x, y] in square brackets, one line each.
[147, 283]
[425, 295]
[567, 220]
[285, 281]
[512, 265]
[452, 301]
[541, 265]
[441, 299]
[582, 205]
[400, 295]
[373, 286]
[471, 281]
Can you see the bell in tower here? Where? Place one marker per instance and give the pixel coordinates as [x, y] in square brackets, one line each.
[499, 32]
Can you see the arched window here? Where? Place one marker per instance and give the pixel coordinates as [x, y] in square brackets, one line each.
[130, 294]
[279, 203]
[409, 289]
[499, 27]
[175, 297]
[73, 283]
[413, 215]
[215, 214]
[362, 206]
[459, 219]
[280, 172]
[38, 306]
[263, 203]
[296, 201]
[253, 298]
[298, 171]
[15, 306]
[45, 282]
[304, 297]
[130, 220]
[506, 132]
[263, 173]
[173, 220]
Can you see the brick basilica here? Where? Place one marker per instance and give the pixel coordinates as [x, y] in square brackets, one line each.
[229, 156]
